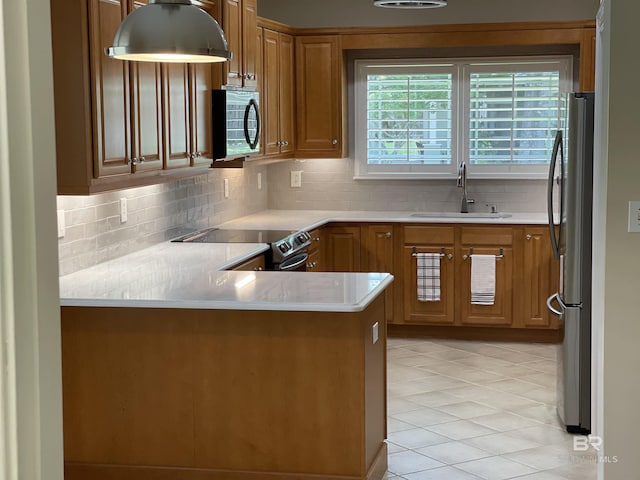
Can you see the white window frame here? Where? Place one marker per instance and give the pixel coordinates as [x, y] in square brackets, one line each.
[461, 69]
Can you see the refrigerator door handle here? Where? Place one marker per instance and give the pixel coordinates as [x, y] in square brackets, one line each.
[557, 146]
[551, 308]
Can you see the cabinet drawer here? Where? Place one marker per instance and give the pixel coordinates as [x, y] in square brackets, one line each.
[422, 234]
[256, 263]
[492, 236]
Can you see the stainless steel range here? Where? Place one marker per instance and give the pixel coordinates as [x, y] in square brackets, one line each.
[288, 249]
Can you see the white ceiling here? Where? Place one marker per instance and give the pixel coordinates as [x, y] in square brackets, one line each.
[326, 13]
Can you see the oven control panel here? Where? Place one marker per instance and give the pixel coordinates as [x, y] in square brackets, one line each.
[295, 243]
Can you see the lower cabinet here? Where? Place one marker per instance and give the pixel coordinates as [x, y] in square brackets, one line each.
[428, 239]
[497, 241]
[540, 276]
[255, 264]
[316, 252]
[378, 256]
[525, 275]
[342, 248]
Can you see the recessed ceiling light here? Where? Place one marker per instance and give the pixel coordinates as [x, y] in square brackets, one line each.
[410, 3]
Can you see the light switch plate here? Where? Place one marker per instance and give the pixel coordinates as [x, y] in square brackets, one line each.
[226, 188]
[634, 217]
[296, 178]
[375, 329]
[61, 224]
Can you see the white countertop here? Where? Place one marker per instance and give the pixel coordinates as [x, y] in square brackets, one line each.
[310, 219]
[188, 275]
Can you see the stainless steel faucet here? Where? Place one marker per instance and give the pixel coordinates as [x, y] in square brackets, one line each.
[462, 183]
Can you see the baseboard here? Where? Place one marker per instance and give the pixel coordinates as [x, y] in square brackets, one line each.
[379, 464]
[84, 471]
[476, 333]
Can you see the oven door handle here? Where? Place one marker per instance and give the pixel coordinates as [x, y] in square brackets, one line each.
[304, 257]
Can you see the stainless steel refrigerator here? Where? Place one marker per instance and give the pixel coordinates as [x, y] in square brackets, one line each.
[571, 171]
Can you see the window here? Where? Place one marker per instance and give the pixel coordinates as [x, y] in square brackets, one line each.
[420, 120]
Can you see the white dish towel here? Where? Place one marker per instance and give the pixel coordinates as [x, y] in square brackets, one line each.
[483, 279]
[428, 275]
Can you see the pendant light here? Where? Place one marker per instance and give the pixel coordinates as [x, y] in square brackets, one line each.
[173, 31]
[410, 3]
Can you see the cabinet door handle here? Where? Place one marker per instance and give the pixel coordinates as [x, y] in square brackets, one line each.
[285, 143]
[450, 256]
[528, 237]
[233, 75]
[250, 76]
[387, 235]
[142, 159]
[317, 239]
[334, 141]
[258, 269]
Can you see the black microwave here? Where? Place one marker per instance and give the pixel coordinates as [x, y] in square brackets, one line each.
[236, 123]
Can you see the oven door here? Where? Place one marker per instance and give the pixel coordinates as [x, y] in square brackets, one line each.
[297, 263]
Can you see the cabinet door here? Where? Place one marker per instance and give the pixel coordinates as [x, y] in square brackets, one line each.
[428, 313]
[378, 256]
[232, 26]
[540, 278]
[146, 116]
[201, 83]
[111, 101]
[286, 85]
[319, 96]
[249, 27]
[270, 100]
[146, 113]
[176, 110]
[342, 249]
[486, 241]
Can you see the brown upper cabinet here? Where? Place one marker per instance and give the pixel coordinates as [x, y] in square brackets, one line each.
[122, 124]
[239, 21]
[320, 103]
[278, 93]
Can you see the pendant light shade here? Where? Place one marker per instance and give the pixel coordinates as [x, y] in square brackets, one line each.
[410, 3]
[173, 31]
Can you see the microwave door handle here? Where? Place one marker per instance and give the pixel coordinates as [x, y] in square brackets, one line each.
[253, 143]
[557, 146]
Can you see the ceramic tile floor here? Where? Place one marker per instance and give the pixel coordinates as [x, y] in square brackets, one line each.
[460, 410]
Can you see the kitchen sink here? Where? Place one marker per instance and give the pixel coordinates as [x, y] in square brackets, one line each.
[461, 215]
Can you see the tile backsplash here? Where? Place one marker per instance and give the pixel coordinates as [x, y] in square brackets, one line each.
[94, 232]
[328, 184]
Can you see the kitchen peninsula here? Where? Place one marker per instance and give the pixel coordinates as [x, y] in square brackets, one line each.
[174, 368]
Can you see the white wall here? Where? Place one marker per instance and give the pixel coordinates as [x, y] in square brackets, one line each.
[617, 305]
[323, 13]
[31, 381]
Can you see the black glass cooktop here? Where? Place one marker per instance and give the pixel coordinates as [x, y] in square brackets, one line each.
[214, 235]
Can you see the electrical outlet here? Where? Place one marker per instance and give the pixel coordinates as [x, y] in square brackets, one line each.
[124, 215]
[634, 217]
[296, 178]
[61, 224]
[226, 188]
[375, 333]
[259, 181]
